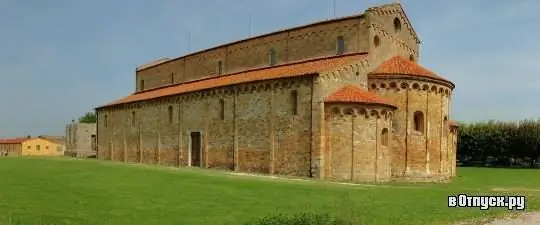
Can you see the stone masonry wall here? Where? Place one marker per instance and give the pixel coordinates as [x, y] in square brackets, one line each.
[255, 131]
[293, 45]
[401, 41]
[354, 143]
[79, 136]
[417, 154]
[326, 84]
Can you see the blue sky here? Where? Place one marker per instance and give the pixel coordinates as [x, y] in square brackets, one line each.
[61, 58]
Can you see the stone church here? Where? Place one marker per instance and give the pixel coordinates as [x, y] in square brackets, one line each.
[341, 99]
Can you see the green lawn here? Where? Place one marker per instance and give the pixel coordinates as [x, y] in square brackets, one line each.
[70, 191]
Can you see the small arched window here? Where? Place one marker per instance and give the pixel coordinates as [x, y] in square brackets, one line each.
[132, 117]
[340, 45]
[419, 121]
[294, 102]
[222, 109]
[397, 25]
[445, 126]
[220, 67]
[272, 57]
[376, 41]
[106, 121]
[170, 112]
[411, 57]
[384, 137]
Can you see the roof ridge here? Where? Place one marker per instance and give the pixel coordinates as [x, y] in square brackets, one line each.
[308, 67]
[398, 65]
[313, 59]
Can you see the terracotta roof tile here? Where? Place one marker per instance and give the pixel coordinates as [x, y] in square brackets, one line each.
[453, 123]
[354, 94]
[14, 140]
[398, 65]
[306, 67]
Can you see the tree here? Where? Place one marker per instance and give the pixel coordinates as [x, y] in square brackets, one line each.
[89, 117]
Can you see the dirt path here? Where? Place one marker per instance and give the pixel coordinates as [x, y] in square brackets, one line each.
[531, 218]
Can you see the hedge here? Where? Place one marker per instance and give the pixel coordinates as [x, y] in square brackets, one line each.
[499, 143]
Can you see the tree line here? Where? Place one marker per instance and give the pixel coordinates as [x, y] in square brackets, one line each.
[499, 144]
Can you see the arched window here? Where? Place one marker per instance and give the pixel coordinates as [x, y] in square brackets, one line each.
[294, 102]
[170, 112]
[445, 126]
[272, 57]
[106, 121]
[384, 137]
[222, 109]
[220, 67]
[132, 117]
[419, 121]
[376, 41]
[397, 25]
[411, 57]
[340, 45]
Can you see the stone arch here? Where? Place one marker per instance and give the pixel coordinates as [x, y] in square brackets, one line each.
[416, 86]
[383, 85]
[404, 85]
[390, 114]
[373, 85]
[425, 87]
[362, 111]
[267, 86]
[348, 111]
[336, 111]
[384, 113]
[374, 113]
[433, 88]
[393, 85]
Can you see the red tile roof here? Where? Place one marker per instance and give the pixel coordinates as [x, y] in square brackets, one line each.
[453, 123]
[398, 65]
[312, 66]
[354, 94]
[14, 140]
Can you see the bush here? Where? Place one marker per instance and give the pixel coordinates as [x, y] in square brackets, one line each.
[497, 143]
[300, 219]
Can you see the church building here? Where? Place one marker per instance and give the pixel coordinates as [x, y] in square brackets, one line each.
[341, 99]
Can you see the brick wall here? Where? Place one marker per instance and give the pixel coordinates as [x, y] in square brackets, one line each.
[258, 131]
[291, 45]
[417, 155]
[354, 143]
[402, 41]
[79, 136]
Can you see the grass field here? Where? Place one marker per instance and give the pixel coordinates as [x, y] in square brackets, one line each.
[69, 191]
